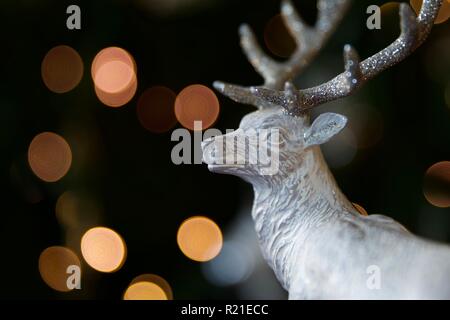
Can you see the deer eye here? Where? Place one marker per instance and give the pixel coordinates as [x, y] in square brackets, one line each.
[276, 136]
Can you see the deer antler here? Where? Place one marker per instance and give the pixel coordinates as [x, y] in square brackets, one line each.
[414, 30]
[309, 41]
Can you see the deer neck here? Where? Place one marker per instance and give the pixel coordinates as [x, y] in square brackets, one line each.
[286, 209]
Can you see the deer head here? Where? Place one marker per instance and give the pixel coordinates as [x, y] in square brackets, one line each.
[269, 144]
[285, 109]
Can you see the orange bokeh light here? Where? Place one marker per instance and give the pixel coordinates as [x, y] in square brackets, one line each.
[66, 209]
[114, 75]
[197, 103]
[111, 54]
[390, 7]
[200, 239]
[53, 264]
[49, 156]
[120, 98]
[155, 109]
[62, 69]
[436, 187]
[103, 249]
[277, 37]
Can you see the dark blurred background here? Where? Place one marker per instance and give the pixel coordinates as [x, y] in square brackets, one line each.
[122, 174]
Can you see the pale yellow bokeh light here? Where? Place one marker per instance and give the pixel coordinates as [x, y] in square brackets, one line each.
[53, 264]
[103, 249]
[49, 156]
[111, 54]
[200, 239]
[159, 281]
[114, 75]
[120, 98]
[144, 291]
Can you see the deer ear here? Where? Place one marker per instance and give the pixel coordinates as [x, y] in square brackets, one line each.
[324, 128]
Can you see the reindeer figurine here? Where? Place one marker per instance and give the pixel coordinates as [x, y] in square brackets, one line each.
[318, 245]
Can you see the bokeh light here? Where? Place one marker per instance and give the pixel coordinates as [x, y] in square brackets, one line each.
[233, 265]
[66, 209]
[367, 125]
[161, 282]
[389, 19]
[62, 69]
[117, 99]
[103, 249]
[155, 109]
[444, 12]
[148, 292]
[360, 209]
[436, 186]
[114, 74]
[200, 239]
[112, 54]
[197, 103]
[341, 150]
[49, 156]
[278, 39]
[144, 291]
[390, 7]
[53, 264]
[77, 211]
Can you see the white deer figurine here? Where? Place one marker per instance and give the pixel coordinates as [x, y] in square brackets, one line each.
[317, 243]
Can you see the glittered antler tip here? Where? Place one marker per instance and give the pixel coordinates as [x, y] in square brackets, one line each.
[309, 41]
[414, 31]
